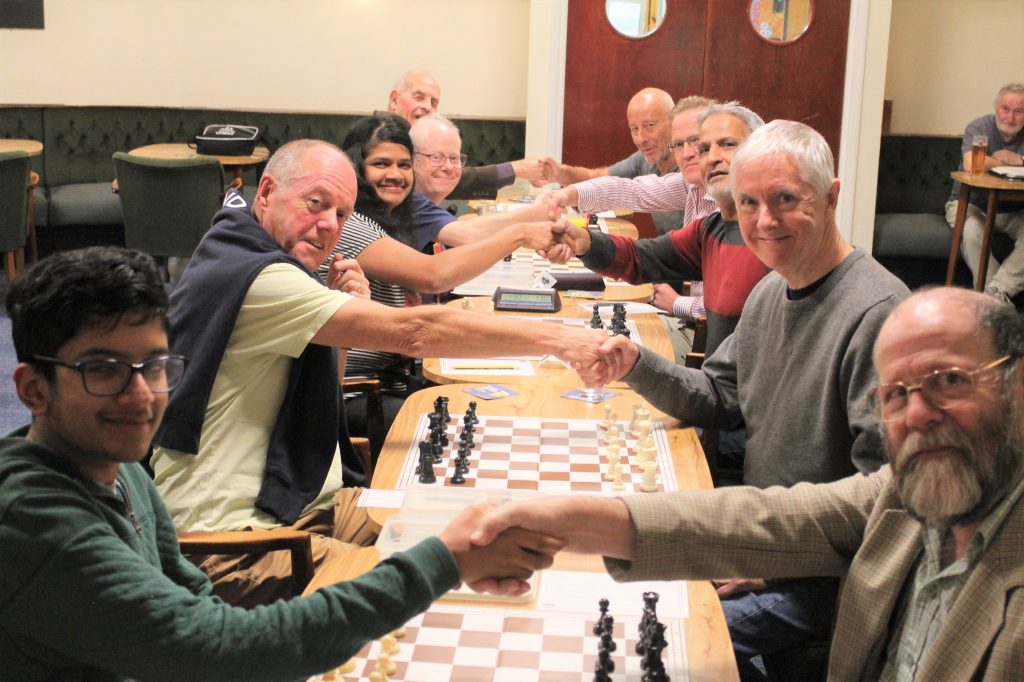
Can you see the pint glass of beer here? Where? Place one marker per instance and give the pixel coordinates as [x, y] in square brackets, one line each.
[979, 150]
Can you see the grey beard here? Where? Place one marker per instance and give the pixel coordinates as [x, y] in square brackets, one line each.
[967, 484]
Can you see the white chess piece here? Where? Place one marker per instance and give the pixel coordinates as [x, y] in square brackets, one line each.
[609, 417]
[399, 633]
[385, 664]
[611, 435]
[613, 462]
[617, 484]
[649, 480]
[377, 676]
[635, 419]
[389, 645]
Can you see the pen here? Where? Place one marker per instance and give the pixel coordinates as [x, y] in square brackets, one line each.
[485, 367]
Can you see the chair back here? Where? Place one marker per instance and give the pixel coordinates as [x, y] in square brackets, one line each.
[15, 170]
[168, 204]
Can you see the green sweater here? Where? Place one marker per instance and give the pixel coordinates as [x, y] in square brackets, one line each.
[92, 588]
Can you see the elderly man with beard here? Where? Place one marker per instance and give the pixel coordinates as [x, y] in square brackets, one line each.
[931, 547]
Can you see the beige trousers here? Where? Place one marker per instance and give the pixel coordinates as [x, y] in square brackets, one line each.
[252, 579]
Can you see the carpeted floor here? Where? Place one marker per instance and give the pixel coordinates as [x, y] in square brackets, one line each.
[12, 413]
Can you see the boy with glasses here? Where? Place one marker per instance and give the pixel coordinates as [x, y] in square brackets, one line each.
[94, 584]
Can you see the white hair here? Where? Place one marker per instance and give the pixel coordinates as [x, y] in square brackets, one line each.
[801, 143]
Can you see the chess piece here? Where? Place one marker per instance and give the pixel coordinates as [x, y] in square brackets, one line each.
[636, 418]
[426, 467]
[378, 676]
[399, 633]
[617, 484]
[595, 319]
[613, 464]
[611, 435]
[609, 416]
[446, 416]
[457, 477]
[472, 411]
[389, 645]
[649, 478]
[385, 664]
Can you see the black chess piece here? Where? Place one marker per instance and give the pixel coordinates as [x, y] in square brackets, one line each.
[652, 664]
[595, 320]
[472, 412]
[457, 477]
[446, 416]
[426, 467]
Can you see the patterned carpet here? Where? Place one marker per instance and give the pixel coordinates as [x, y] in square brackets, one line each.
[12, 413]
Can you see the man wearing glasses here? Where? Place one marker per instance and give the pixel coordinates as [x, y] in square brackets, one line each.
[439, 161]
[797, 368]
[679, 190]
[417, 94]
[94, 584]
[931, 546]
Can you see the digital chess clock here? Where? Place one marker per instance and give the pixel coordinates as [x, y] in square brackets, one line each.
[528, 300]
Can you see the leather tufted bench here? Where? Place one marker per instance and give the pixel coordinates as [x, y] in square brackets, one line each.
[74, 205]
[911, 236]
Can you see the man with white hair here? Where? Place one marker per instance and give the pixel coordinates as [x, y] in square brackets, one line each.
[931, 548]
[796, 370]
[438, 156]
[418, 93]
[1004, 130]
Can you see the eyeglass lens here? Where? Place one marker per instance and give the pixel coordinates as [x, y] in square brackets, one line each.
[110, 377]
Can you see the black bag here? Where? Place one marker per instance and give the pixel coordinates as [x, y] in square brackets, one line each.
[227, 139]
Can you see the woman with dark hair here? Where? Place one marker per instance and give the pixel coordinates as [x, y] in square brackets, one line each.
[381, 236]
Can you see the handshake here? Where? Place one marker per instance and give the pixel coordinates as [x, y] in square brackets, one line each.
[498, 548]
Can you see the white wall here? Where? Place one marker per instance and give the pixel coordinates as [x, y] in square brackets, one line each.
[947, 59]
[300, 55]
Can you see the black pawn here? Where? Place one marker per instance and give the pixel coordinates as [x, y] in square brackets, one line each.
[472, 412]
[595, 319]
[426, 467]
[446, 417]
[457, 477]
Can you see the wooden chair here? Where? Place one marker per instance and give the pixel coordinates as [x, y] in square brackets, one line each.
[15, 192]
[298, 543]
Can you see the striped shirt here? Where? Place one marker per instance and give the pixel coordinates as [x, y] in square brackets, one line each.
[358, 233]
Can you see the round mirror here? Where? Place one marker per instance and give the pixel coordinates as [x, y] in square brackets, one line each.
[635, 18]
[781, 21]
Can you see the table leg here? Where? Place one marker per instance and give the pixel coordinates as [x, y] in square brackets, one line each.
[240, 176]
[990, 217]
[958, 232]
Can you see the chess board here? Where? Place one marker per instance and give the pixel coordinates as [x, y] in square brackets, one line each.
[519, 272]
[491, 645]
[550, 455]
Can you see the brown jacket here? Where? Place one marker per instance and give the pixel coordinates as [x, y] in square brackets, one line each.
[854, 527]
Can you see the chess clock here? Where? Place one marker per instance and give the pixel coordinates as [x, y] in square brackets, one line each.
[527, 300]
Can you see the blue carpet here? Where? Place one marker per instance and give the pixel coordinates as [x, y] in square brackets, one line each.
[12, 413]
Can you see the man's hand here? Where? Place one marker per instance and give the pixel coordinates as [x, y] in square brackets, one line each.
[728, 588]
[581, 346]
[664, 297]
[1008, 157]
[617, 357]
[569, 241]
[538, 235]
[346, 275]
[531, 169]
[502, 566]
[552, 169]
[564, 199]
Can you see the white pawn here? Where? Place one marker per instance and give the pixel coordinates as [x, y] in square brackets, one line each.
[377, 676]
[617, 484]
[612, 434]
[609, 416]
[385, 664]
[399, 633]
[649, 480]
[389, 645]
[613, 462]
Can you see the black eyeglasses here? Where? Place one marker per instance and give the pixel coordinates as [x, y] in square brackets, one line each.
[457, 160]
[942, 388]
[109, 377]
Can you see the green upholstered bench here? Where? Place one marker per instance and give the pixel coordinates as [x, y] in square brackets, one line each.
[911, 236]
[74, 204]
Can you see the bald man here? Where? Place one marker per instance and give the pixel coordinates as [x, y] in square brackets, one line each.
[418, 93]
[649, 115]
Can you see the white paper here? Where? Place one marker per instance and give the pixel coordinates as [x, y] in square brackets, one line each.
[381, 498]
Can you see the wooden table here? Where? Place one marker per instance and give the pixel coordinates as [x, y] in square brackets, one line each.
[709, 649]
[30, 147]
[998, 190]
[176, 150]
[650, 326]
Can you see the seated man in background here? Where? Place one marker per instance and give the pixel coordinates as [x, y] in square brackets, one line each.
[1004, 131]
[649, 115]
[680, 190]
[94, 585]
[796, 370]
[931, 547]
[250, 440]
[416, 94]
